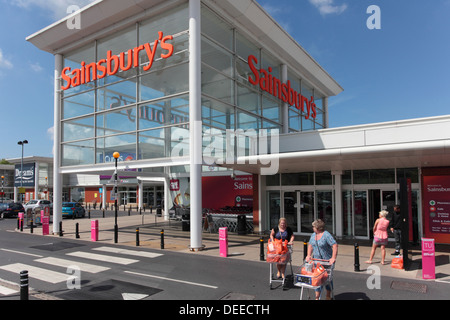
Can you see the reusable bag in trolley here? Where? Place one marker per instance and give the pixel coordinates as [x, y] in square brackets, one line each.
[277, 251]
[311, 273]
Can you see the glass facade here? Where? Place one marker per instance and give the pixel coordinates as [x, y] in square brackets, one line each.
[143, 112]
[136, 110]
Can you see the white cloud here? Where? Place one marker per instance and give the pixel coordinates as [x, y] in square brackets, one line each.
[36, 67]
[5, 63]
[58, 8]
[328, 7]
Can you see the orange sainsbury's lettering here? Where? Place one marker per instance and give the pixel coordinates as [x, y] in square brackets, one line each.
[113, 63]
[283, 91]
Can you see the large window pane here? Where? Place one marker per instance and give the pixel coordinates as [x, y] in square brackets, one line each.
[217, 85]
[164, 112]
[217, 114]
[360, 213]
[116, 95]
[123, 120]
[152, 144]
[78, 153]
[248, 99]
[171, 81]
[78, 105]
[78, 129]
[124, 144]
[216, 28]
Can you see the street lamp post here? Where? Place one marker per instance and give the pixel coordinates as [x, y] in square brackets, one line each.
[22, 143]
[116, 156]
[3, 192]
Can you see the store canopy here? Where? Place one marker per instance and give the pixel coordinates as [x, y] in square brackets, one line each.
[403, 144]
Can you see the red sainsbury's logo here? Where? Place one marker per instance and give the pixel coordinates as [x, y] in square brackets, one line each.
[112, 63]
[283, 91]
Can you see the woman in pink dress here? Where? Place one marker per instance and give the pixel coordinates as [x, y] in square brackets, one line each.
[380, 236]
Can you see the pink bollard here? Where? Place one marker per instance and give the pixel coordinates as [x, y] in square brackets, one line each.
[223, 242]
[94, 230]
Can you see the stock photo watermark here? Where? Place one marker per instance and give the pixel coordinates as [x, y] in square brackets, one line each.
[374, 21]
[74, 21]
[252, 147]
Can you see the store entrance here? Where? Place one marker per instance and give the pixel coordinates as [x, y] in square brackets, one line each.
[379, 200]
[301, 208]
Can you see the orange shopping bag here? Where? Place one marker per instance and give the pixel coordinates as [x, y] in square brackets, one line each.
[397, 262]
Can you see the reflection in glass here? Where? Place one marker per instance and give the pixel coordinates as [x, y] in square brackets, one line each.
[360, 218]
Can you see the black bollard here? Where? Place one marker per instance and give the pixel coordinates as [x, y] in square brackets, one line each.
[356, 257]
[60, 229]
[137, 237]
[261, 249]
[89, 213]
[162, 239]
[305, 249]
[77, 231]
[18, 223]
[31, 226]
[21, 224]
[24, 285]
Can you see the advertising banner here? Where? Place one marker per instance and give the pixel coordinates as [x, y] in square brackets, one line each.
[436, 207]
[24, 175]
[428, 259]
[226, 192]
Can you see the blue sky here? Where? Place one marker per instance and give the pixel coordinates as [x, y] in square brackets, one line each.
[400, 71]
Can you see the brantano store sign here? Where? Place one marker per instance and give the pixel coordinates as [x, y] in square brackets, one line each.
[283, 91]
[111, 65]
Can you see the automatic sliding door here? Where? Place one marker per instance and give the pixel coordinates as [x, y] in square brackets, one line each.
[290, 209]
[306, 211]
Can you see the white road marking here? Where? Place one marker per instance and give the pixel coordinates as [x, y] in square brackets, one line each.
[129, 252]
[91, 268]
[24, 253]
[174, 280]
[36, 273]
[100, 257]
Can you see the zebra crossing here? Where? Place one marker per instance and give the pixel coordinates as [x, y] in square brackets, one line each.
[38, 271]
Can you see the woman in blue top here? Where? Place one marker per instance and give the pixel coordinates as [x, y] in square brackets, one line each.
[322, 246]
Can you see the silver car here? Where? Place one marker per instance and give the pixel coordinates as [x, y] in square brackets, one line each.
[40, 204]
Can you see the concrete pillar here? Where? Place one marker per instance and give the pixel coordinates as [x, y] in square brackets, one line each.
[338, 203]
[57, 176]
[195, 123]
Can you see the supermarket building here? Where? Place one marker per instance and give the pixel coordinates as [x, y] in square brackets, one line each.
[195, 95]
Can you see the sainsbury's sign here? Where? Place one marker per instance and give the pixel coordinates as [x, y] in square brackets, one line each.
[283, 91]
[112, 63]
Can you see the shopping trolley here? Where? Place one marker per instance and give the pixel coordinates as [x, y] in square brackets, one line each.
[314, 275]
[282, 258]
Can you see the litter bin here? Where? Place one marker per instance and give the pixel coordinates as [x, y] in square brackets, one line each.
[185, 222]
[241, 224]
[159, 212]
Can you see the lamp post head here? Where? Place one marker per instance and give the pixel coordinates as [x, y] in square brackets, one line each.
[22, 142]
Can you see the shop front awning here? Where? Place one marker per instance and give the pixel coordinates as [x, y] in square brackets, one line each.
[403, 144]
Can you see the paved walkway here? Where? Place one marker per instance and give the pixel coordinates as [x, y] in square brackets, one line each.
[246, 247]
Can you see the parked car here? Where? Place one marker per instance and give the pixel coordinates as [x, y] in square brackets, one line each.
[73, 210]
[10, 210]
[33, 204]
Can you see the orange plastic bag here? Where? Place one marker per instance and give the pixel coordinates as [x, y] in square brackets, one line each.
[397, 262]
[277, 251]
[318, 275]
